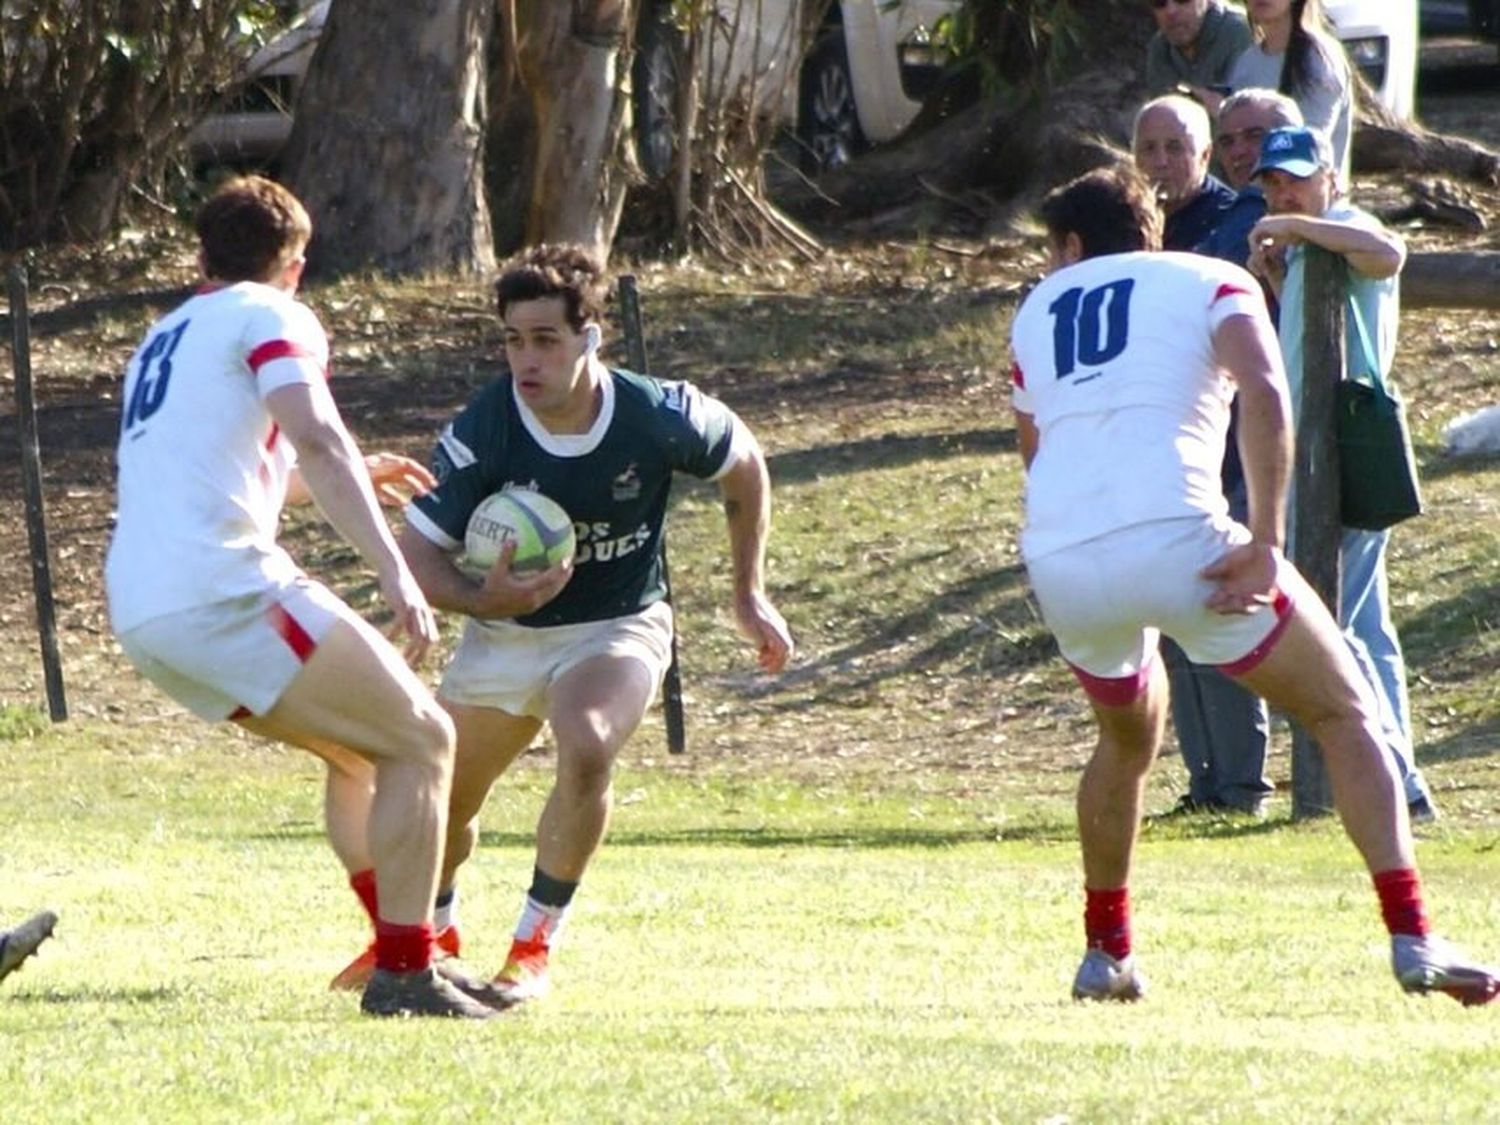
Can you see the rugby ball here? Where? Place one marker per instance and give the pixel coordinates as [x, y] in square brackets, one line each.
[542, 531]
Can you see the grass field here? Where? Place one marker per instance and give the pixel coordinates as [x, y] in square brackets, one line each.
[857, 898]
[746, 950]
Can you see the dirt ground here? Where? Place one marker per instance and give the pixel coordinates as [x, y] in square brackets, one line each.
[418, 347]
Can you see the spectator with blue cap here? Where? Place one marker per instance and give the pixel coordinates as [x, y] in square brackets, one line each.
[1298, 175]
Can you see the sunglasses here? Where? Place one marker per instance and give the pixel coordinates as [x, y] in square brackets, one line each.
[1160, 4]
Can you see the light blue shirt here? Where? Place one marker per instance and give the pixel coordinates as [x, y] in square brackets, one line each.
[1379, 302]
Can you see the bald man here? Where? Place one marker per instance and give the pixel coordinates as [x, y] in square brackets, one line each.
[1172, 142]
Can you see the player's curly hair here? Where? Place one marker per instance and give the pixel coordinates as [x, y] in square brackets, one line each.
[250, 229]
[556, 270]
[1112, 211]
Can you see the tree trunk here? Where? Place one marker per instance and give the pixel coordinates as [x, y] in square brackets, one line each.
[1004, 148]
[1395, 147]
[510, 139]
[1451, 280]
[569, 57]
[387, 150]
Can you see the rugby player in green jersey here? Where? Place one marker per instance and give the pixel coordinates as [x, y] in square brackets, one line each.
[582, 646]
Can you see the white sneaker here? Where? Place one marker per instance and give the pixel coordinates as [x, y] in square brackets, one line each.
[1430, 964]
[1101, 977]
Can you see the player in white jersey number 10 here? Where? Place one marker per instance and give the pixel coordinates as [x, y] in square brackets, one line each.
[1126, 358]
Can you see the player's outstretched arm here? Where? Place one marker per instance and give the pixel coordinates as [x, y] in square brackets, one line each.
[1245, 347]
[333, 471]
[1028, 438]
[746, 490]
[396, 480]
[1373, 251]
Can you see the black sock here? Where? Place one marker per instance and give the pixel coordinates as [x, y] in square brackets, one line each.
[549, 891]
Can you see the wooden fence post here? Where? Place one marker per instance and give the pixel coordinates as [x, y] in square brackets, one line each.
[1316, 528]
[31, 481]
[673, 712]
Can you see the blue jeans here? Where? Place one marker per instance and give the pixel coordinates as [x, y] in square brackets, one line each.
[1223, 729]
[1365, 616]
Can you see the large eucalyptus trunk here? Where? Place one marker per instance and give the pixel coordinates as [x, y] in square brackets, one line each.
[387, 151]
[570, 58]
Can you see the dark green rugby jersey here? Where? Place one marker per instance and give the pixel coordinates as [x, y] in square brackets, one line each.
[613, 481]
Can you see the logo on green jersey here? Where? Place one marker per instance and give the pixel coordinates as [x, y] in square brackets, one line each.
[627, 486]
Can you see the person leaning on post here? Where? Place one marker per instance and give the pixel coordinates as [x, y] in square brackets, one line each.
[1297, 172]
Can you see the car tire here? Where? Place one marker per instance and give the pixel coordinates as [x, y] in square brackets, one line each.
[827, 118]
[654, 79]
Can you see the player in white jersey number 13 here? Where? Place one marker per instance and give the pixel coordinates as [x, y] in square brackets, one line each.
[1125, 358]
[227, 414]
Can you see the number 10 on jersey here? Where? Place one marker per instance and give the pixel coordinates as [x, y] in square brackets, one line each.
[1090, 326]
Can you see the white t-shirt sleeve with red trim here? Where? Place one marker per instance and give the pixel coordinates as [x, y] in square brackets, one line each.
[1020, 397]
[1237, 294]
[285, 345]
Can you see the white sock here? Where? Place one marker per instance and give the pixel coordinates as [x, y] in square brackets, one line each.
[445, 913]
[540, 922]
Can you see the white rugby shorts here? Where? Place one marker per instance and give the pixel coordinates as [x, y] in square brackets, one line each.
[1107, 600]
[236, 657]
[511, 667]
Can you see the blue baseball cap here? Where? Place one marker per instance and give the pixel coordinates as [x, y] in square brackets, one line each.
[1293, 149]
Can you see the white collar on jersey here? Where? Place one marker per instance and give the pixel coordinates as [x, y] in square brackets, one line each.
[569, 445]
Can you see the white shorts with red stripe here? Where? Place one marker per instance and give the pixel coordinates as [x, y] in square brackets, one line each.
[1107, 600]
[236, 657]
[510, 667]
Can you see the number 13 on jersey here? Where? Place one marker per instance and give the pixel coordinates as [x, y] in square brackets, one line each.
[152, 378]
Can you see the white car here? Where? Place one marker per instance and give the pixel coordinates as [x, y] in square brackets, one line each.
[861, 80]
[1380, 37]
[865, 77]
[251, 123]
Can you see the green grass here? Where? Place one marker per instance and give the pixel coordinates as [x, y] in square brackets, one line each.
[745, 949]
[857, 898]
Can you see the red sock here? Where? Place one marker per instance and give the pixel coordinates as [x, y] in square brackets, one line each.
[1106, 921]
[363, 883]
[403, 949]
[1400, 892]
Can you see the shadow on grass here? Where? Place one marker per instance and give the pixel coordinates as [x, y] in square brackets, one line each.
[864, 839]
[885, 451]
[877, 838]
[89, 311]
[1213, 826]
[995, 630]
[54, 997]
[1437, 465]
[869, 837]
[1481, 740]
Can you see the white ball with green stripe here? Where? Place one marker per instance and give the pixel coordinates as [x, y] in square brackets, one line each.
[542, 531]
